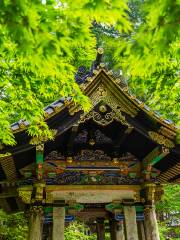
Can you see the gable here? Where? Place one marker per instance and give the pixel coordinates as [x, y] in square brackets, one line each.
[124, 123]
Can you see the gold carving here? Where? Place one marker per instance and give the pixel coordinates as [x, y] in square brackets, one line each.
[104, 119]
[102, 65]
[95, 71]
[40, 148]
[159, 191]
[39, 191]
[3, 155]
[49, 197]
[160, 139]
[110, 73]
[137, 197]
[120, 105]
[167, 132]
[89, 79]
[36, 210]
[150, 192]
[69, 159]
[22, 125]
[91, 142]
[25, 195]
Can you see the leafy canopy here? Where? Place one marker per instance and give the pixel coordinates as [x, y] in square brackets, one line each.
[148, 55]
[40, 46]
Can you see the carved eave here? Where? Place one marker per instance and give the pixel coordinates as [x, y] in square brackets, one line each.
[104, 90]
[128, 104]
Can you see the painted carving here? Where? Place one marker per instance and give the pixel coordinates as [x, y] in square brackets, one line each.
[160, 139]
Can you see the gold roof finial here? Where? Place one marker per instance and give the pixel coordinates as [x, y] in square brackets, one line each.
[100, 50]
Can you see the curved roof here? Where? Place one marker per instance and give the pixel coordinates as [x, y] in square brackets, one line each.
[151, 129]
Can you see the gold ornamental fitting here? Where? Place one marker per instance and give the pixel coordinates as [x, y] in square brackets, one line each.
[103, 108]
[115, 160]
[100, 50]
[110, 72]
[95, 71]
[69, 159]
[91, 142]
[89, 79]
[102, 65]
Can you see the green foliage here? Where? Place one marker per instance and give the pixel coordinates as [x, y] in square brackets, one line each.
[41, 45]
[149, 54]
[169, 211]
[76, 230]
[163, 230]
[171, 199]
[13, 226]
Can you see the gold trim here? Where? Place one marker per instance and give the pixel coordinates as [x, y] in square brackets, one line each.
[25, 195]
[129, 105]
[92, 187]
[167, 132]
[160, 139]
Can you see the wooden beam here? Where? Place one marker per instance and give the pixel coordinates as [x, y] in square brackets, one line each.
[91, 213]
[155, 156]
[84, 188]
[170, 173]
[122, 137]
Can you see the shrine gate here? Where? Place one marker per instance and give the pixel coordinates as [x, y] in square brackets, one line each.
[105, 167]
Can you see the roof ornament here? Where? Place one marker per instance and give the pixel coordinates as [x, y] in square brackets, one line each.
[83, 74]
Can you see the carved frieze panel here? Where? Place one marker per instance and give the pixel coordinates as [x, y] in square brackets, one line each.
[91, 155]
[92, 178]
[55, 155]
[98, 136]
[81, 137]
[160, 139]
[101, 138]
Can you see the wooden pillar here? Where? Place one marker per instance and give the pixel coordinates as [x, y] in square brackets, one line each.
[35, 223]
[151, 226]
[116, 229]
[120, 230]
[100, 229]
[141, 231]
[58, 223]
[130, 222]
